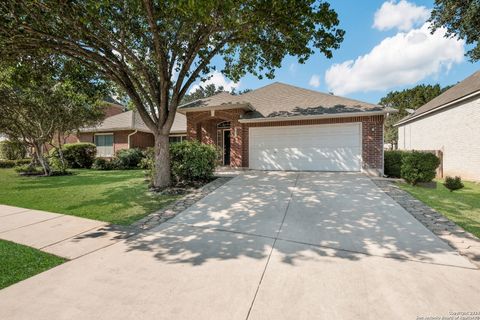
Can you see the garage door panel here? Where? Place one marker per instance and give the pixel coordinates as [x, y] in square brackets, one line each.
[319, 147]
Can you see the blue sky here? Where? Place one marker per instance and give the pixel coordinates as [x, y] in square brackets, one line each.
[387, 47]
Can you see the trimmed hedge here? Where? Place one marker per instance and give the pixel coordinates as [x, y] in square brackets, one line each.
[78, 155]
[393, 162]
[419, 167]
[192, 161]
[102, 164]
[128, 159]
[14, 163]
[10, 150]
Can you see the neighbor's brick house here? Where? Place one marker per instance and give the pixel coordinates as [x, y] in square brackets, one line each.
[282, 127]
[126, 130]
[449, 123]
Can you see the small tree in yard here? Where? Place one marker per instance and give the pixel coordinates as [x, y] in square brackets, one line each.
[155, 50]
[41, 97]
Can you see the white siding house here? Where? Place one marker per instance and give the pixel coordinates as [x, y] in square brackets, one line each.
[450, 123]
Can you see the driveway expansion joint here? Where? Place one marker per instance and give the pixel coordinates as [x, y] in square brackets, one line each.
[273, 247]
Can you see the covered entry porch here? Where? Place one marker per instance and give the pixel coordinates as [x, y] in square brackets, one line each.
[221, 129]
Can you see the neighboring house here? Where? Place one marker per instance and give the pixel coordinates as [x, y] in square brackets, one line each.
[450, 123]
[283, 127]
[127, 130]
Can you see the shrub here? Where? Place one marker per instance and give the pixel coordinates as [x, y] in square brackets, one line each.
[29, 170]
[393, 162]
[79, 155]
[11, 150]
[102, 164]
[128, 159]
[453, 183]
[14, 163]
[147, 161]
[7, 163]
[419, 167]
[192, 161]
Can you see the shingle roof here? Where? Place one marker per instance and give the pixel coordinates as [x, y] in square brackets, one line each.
[466, 87]
[283, 100]
[131, 120]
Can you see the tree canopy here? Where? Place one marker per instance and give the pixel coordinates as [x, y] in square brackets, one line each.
[42, 97]
[460, 18]
[406, 99]
[155, 50]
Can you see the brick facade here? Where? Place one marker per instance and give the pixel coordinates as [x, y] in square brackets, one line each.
[120, 139]
[202, 126]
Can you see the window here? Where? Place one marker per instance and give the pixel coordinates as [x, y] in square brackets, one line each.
[176, 139]
[224, 125]
[104, 143]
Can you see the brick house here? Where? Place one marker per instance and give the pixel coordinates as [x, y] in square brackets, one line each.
[283, 127]
[126, 130]
[449, 123]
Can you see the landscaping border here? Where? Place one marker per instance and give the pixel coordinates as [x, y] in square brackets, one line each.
[456, 237]
[170, 211]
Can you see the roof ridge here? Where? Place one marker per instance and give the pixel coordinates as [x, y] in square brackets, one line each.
[311, 90]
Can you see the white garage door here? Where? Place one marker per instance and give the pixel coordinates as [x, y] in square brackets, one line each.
[335, 147]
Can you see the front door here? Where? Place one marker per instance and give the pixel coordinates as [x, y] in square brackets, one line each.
[226, 147]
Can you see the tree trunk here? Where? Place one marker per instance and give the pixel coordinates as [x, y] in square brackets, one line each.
[161, 175]
[60, 154]
[43, 162]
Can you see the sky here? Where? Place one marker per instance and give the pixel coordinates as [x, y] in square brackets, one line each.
[387, 46]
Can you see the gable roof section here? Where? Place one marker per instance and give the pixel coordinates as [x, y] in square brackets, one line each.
[466, 88]
[131, 120]
[281, 100]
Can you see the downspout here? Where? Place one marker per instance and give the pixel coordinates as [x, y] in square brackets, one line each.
[131, 134]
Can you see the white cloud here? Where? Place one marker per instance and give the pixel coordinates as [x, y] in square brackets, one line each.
[314, 81]
[218, 79]
[402, 15]
[405, 58]
[293, 67]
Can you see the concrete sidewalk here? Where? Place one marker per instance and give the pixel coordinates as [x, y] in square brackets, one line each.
[63, 235]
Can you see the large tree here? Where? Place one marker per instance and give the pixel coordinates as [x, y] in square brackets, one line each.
[460, 18]
[404, 101]
[155, 50]
[41, 97]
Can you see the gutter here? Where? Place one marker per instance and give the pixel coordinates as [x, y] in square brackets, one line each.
[446, 105]
[128, 137]
[320, 116]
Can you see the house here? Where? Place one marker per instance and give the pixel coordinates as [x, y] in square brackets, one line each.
[449, 123]
[283, 127]
[126, 130]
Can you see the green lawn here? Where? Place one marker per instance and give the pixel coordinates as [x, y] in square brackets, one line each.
[119, 197]
[461, 206]
[18, 262]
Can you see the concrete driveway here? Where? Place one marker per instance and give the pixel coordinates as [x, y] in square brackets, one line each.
[264, 246]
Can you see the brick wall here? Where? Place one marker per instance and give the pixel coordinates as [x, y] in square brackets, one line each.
[120, 140]
[142, 140]
[372, 134]
[112, 110]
